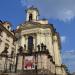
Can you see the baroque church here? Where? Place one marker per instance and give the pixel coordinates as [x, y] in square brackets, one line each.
[35, 48]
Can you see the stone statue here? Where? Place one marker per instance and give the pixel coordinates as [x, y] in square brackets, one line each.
[20, 50]
[42, 46]
[25, 46]
[38, 46]
[12, 54]
[5, 51]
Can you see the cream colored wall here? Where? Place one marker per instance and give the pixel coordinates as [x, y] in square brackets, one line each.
[2, 45]
[63, 71]
[7, 40]
[49, 44]
[42, 21]
[57, 55]
[24, 41]
[57, 51]
[16, 46]
[2, 62]
[19, 65]
[45, 37]
[45, 63]
[34, 13]
[18, 41]
[42, 36]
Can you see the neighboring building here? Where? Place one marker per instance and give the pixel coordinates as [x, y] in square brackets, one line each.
[7, 47]
[37, 46]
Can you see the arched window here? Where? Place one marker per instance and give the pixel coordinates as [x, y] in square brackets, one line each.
[30, 44]
[30, 17]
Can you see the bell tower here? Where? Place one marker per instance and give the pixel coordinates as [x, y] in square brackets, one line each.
[32, 14]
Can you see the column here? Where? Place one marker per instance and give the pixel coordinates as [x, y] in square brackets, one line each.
[49, 44]
[57, 56]
[22, 41]
[26, 42]
[38, 40]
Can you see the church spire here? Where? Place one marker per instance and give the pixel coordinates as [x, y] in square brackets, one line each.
[32, 14]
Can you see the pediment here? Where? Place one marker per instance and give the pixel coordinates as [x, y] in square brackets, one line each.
[29, 25]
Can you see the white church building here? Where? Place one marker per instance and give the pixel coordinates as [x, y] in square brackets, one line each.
[38, 41]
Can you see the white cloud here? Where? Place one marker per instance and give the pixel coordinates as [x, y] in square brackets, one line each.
[57, 9]
[66, 15]
[69, 51]
[69, 59]
[69, 54]
[63, 39]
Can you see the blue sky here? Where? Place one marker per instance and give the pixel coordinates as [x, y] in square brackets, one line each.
[61, 13]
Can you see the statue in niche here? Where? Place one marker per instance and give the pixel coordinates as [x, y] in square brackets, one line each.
[42, 46]
[25, 46]
[20, 50]
[12, 54]
[51, 59]
[5, 51]
[38, 46]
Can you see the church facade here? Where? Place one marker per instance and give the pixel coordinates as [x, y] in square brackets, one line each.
[38, 46]
[34, 48]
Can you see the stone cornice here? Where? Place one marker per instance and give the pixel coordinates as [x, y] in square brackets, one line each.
[36, 30]
[34, 53]
[30, 25]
